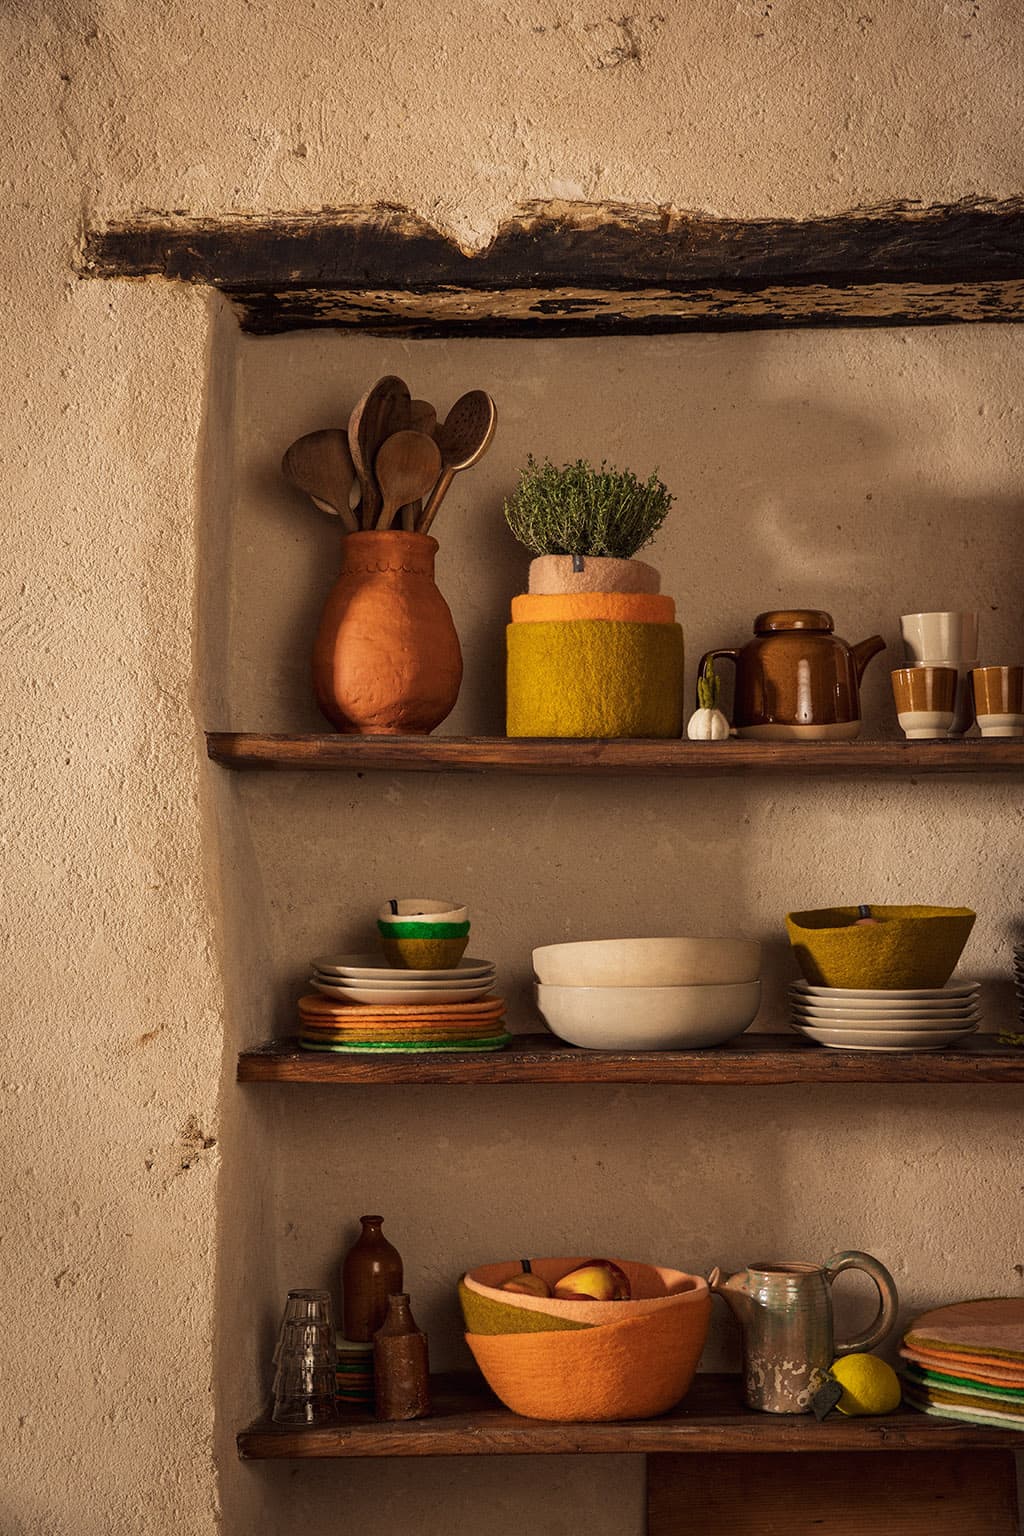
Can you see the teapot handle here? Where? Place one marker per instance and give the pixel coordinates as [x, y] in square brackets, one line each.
[726, 655]
[888, 1303]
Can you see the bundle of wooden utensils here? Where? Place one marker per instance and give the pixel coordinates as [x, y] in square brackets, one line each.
[402, 458]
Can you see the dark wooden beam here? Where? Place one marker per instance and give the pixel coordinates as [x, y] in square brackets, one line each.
[587, 268]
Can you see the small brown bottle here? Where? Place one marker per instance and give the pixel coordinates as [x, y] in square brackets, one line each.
[401, 1370]
[372, 1272]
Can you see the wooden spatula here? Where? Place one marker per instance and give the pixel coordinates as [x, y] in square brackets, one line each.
[384, 409]
[319, 464]
[463, 439]
[407, 465]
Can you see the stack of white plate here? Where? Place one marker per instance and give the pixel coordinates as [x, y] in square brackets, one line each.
[365, 979]
[924, 1019]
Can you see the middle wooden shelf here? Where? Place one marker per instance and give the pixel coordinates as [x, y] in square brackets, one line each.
[750, 1059]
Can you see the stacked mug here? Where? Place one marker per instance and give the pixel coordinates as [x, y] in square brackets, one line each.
[933, 691]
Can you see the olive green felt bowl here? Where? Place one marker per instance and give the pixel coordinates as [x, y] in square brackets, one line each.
[485, 1315]
[906, 947]
[424, 954]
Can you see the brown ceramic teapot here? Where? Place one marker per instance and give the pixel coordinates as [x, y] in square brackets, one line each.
[796, 680]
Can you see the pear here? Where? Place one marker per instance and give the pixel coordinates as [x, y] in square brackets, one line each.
[596, 1280]
[526, 1283]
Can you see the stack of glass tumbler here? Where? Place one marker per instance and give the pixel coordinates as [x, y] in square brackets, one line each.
[305, 1381]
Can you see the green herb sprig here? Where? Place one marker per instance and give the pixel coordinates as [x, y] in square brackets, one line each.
[579, 510]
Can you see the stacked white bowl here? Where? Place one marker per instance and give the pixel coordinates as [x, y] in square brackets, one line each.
[649, 994]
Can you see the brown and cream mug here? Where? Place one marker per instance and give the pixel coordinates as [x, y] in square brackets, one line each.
[999, 700]
[925, 697]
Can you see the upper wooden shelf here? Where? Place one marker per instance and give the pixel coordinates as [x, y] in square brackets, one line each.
[560, 268]
[468, 1421]
[758, 1059]
[479, 754]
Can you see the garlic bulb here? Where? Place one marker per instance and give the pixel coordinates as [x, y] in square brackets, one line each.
[707, 723]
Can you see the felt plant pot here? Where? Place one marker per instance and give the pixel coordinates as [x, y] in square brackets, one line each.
[591, 573]
[386, 661]
[625, 607]
[595, 678]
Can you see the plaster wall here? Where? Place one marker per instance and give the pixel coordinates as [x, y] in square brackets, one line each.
[118, 947]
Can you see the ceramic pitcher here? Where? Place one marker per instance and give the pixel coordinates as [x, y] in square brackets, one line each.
[785, 1312]
[386, 661]
[796, 680]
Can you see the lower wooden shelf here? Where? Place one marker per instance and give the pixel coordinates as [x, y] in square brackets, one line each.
[468, 1421]
[750, 1059]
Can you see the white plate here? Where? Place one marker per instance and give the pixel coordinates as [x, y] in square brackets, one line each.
[400, 994]
[369, 968]
[887, 1005]
[887, 1027]
[893, 995]
[422, 988]
[934, 1018]
[883, 1039]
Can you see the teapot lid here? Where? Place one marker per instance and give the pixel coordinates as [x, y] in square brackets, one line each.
[793, 618]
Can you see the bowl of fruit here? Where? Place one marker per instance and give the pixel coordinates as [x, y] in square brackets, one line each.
[585, 1339]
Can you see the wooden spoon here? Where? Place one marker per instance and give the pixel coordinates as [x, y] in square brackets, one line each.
[463, 439]
[407, 465]
[384, 409]
[422, 418]
[319, 464]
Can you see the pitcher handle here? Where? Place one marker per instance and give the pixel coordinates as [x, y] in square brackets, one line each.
[888, 1298]
[724, 655]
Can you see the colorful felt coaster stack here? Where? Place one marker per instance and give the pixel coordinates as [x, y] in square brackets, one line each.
[355, 1376]
[356, 1028]
[966, 1361]
[604, 664]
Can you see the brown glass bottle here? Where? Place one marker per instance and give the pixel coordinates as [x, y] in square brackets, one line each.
[371, 1272]
[401, 1370]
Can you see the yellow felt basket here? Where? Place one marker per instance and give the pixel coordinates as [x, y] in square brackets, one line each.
[595, 678]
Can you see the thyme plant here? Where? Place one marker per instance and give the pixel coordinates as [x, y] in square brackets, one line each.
[579, 510]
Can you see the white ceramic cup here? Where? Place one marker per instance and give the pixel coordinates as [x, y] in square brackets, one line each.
[940, 639]
[945, 640]
[1001, 725]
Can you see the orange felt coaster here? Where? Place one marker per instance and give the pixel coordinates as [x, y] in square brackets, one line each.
[992, 1326]
[620, 607]
[998, 1375]
[315, 1006]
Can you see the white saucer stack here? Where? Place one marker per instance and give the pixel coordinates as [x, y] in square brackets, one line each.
[847, 1019]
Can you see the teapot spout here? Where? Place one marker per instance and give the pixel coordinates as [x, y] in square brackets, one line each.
[733, 1290]
[863, 651]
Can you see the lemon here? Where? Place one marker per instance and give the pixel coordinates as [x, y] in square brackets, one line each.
[869, 1385]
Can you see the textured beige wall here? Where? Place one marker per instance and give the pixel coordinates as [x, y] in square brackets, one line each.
[113, 976]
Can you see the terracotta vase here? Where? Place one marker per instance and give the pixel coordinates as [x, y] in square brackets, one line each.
[386, 661]
[371, 1272]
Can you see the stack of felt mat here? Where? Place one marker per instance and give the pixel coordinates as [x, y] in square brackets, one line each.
[355, 1375]
[326, 1025]
[966, 1361]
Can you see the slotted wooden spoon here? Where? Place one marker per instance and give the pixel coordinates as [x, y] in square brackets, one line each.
[407, 465]
[319, 464]
[384, 409]
[463, 439]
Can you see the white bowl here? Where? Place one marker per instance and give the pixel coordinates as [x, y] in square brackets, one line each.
[648, 963]
[423, 909]
[649, 1018]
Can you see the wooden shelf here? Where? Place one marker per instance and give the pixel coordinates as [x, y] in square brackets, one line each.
[570, 269]
[749, 1060]
[468, 1421]
[488, 754]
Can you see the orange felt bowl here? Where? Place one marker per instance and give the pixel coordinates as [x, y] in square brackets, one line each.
[652, 1289]
[629, 1370]
[620, 607]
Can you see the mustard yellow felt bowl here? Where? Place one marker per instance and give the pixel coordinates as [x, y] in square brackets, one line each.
[653, 1289]
[905, 947]
[632, 1369]
[427, 954]
[486, 1315]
